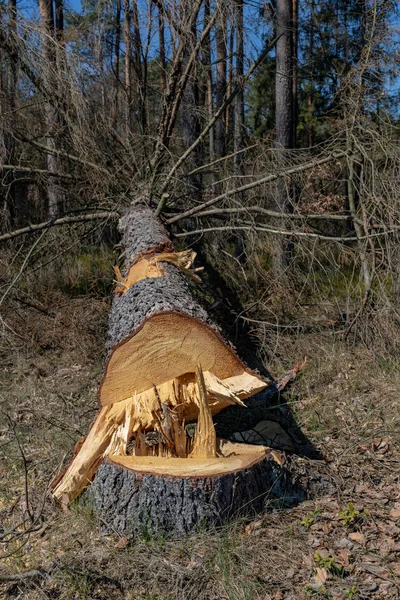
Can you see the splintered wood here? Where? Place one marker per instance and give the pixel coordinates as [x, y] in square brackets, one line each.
[148, 266]
[205, 440]
[164, 411]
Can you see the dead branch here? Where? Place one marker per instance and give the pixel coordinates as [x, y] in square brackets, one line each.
[271, 213]
[34, 574]
[57, 222]
[306, 234]
[9, 287]
[72, 157]
[22, 169]
[239, 86]
[253, 184]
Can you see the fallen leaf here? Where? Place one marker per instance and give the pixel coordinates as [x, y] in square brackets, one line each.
[394, 514]
[252, 527]
[122, 543]
[395, 568]
[321, 575]
[344, 556]
[357, 537]
[386, 547]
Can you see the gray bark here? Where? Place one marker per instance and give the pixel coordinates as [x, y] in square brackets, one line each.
[284, 75]
[141, 232]
[220, 82]
[49, 50]
[239, 101]
[191, 117]
[143, 504]
[9, 96]
[284, 117]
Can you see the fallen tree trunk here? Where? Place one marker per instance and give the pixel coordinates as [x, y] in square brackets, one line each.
[167, 366]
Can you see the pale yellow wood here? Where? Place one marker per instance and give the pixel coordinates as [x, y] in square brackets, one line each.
[142, 269]
[149, 266]
[121, 435]
[166, 347]
[205, 440]
[220, 391]
[194, 467]
[83, 467]
[220, 395]
[115, 424]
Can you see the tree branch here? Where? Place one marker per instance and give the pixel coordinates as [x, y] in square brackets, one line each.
[239, 86]
[72, 157]
[38, 171]
[306, 234]
[61, 221]
[249, 186]
[271, 213]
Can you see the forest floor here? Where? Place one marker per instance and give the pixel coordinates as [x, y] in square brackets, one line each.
[342, 546]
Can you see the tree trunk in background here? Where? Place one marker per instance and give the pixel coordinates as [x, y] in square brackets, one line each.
[209, 84]
[310, 96]
[59, 20]
[128, 65]
[220, 81]
[239, 102]
[295, 61]
[117, 51]
[161, 42]
[9, 93]
[229, 109]
[140, 71]
[191, 118]
[284, 119]
[49, 50]
[284, 75]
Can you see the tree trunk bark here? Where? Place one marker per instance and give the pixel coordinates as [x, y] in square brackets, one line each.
[191, 118]
[239, 101]
[220, 82]
[134, 501]
[161, 44]
[49, 49]
[9, 96]
[159, 336]
[128, 66]
[116, 60]
[284, 119]
[152, 451]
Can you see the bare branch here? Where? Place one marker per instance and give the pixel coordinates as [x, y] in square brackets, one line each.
[38, 171]
[306, 234]
[271, 213]
[34, 574]
[249, 186]
[61, 221]
[72, 157]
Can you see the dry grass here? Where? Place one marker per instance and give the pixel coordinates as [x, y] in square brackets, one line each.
[345, 545]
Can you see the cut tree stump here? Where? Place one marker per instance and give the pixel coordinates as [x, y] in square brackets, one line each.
[168, 371]
[149, 497]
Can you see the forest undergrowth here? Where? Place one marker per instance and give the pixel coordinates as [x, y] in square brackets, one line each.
[345, 545]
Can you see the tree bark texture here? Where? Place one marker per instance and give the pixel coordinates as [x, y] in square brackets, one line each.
[220, 81]
[284, 118]
[49, 50]
[159, 336]
[145, 504]
[239, 101]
